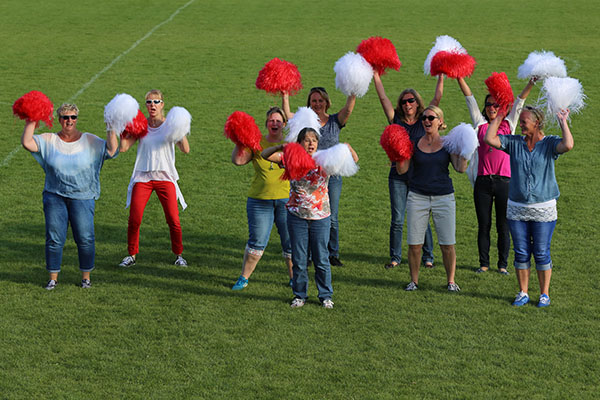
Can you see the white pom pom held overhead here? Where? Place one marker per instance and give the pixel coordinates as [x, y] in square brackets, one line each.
[336, 160]
[178, 124]
[542, 64]
[353, 74]
[461, 140]
[561, 94]
[119, 112]
[305, 117]
[442, 43]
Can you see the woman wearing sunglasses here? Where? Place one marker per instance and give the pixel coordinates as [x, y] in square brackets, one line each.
[154, 171]
[406, 114]
[267, 197]
[492, 171]
[331, 125]
[431, 193]
[72, 161]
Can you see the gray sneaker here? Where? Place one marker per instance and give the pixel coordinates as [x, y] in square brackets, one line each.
[411, 286]
[327, 303]
[180, 262]
[297, 302]
[51, 284]
[127, 262]
[453, 287]
[86, 284]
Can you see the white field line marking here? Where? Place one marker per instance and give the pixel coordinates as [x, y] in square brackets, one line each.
[109, 66]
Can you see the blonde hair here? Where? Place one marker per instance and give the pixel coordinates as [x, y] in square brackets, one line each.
[537, 114]
[65, 107]
[276, 110]
[439, 113]
[155, 92]
[322, 92]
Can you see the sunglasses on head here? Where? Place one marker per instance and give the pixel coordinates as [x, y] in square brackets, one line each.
[411, 100]
[155, 101]
[428, 117]
[320, 88]
[67, 117]
[492, 105]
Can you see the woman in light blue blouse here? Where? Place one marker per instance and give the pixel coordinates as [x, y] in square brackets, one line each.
[531, 210]
[72, 161]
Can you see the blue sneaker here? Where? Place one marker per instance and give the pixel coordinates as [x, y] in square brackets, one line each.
[544, 301]
[521, 299]
[240, 284]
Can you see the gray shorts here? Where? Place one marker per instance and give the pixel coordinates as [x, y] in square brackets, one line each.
[443, 211]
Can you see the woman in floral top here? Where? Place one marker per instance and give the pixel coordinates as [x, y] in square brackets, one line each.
[309, 222]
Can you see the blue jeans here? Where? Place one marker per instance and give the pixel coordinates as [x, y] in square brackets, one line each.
[59, 212]
[530, 237]
[313, 233]
[261, 215]
[398, 195]
[335, 191]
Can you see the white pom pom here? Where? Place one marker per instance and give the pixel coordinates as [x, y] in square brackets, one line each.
[353, 74]
[561, 94]
[542, 64]
[461, 140]
[305, 117]
[336, 160]
[442, 43]
[120, 111]
[178, 124]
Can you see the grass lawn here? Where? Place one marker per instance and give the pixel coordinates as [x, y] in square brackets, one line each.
[157, 331]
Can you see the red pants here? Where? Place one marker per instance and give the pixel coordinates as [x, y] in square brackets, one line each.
[139, 198]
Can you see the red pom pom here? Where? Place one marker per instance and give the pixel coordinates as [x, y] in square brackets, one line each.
[138, 128]
[452, 64]
[34, 106]
[242, 130]
[499, 87]
[297, 162]
[396, 143]
[380, 53]
[278, 76]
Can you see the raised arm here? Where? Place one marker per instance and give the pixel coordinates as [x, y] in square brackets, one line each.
[112, 144]
[285, 105]
[241, 155]
[567, 138]
[477, 118]
[346, 111]
[27, 140]
[464, 87]
[273, 153]
[459, 163]
[184, 145]
[491, 135]
[513, 116]
[439, 91]
[388, 107]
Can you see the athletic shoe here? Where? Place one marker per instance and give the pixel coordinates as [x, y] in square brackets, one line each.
[453, 287]
[521, 299]
[544, 301]
[411, 286]
[240, 284]
[327, 303]
[180, 262]
[127, 262]
[335, 262]
[86, 283]
[51, 284]
[297, 302]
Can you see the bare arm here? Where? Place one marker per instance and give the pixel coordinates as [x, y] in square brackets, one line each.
[459, 163]
[241, 155]
[126, 143]
[27, 140]
[112, 144]
[491, 135]
[528, 87]
[388, 107]
[273, 153]
[402, 166]
[285, 105]
[346, 111]
[464, 87]
[567, 138]
[354, 155]
[184, 145]
[439, 91]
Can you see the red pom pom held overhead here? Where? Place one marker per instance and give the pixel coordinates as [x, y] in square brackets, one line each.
[138, 128]
[499, 87]
[242, 130]
[297, 162]
[34, 106]
[278, 76]
[380, 53]
[396, 143]
[452, 64]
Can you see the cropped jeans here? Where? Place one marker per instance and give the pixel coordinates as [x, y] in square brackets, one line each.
[335, 191]
[532, 238]
[59, 211]
[261, 215]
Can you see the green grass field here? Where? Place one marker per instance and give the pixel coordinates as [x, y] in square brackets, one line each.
[156, 331]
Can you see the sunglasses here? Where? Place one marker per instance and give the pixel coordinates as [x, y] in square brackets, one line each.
[428, 117]
[492, 105]
[411, 100]
[155, 101]
[319, 88]
[67, 117]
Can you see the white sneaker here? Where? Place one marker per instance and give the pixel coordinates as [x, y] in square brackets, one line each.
[297, 302]
[327, 303]
[127, 262]
[411, 287]
[180, 262]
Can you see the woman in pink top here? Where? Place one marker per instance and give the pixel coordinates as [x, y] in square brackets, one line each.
[493, 175]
